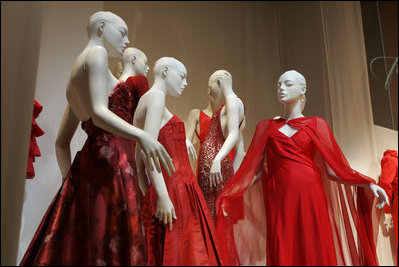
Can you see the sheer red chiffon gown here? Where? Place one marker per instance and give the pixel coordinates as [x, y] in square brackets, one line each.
[310, 217]
[95, 218]
[204, 121]
[192, 239]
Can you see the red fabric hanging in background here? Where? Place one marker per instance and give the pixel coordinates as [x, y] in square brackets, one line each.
[34, 150]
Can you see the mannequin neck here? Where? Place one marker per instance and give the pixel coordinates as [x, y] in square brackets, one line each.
[292, 110]
[95, 41]
[214, 105]
[128, 71]
[159, 85]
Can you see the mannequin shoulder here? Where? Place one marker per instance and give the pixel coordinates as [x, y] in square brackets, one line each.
[96, 56]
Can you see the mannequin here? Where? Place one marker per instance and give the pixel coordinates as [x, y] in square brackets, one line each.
[308, 212]
[226, 126]
[134, 62]
[177, 202]
[198, 123]
[95, 217]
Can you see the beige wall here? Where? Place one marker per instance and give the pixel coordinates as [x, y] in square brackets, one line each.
[19, 57]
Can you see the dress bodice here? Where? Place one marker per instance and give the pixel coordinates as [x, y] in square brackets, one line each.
[204, 121]
[173, 137]
[122, 101]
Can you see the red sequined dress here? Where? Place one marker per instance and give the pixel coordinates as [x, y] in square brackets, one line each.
[210, 147]
[95, 218]
[34, 150]
[192, 239]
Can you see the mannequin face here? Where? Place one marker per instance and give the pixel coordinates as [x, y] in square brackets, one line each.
[115, 37]
[214, 91]
[176, 80]
[141, 65]
[289, 88]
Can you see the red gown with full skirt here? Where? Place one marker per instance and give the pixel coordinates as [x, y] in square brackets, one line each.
[192, 239]
[309, 217]
[95, 218]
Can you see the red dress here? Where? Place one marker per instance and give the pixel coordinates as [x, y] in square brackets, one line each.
[34, 150]
[204, 121]
[95, 218]
[192, 239]
[389, 181]
[210, 147]
[308, 215]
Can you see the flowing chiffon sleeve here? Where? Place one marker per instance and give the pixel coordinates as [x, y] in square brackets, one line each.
[240, 221]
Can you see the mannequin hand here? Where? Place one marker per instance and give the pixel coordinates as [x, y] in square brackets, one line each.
[153, 149]
[191, 150]
[379, 193]
[215, 177]
[224, 81]
[165, 211]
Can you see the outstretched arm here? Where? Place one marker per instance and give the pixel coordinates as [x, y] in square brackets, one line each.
[156, 105]
[66, 131]
[377, 190]
[97, 68]
[233, 118]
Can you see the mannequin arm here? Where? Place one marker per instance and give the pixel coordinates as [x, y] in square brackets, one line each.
[233, 119]
[97, 67]
[191, 124]
[144, 183]
[239, 153]
[153, 119]
[66, 131]
[377, 190]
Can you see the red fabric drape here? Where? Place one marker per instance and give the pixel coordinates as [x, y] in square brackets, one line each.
[349, 207]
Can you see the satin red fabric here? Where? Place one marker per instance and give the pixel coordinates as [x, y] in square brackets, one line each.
[311, 218]
[192, 241]
[95, 218]
[389, 181]
[34, 150]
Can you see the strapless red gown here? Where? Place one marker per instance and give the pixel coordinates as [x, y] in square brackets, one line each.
[192, 239]
[95, 218]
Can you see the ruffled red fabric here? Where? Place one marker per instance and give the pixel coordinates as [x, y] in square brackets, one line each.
[34, 150]
[349, 208]
[389, 181]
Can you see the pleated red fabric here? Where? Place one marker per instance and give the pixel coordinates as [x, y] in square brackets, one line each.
[192, 241]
